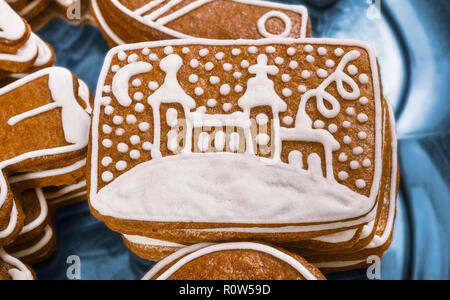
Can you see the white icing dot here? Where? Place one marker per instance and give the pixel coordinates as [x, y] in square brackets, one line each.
[133, 58]
[122, 147]
[107, 143]
[122, 55]
[107, 176]
[366, 163]
[135, 139]
[238, 88]
[330, 63]
[285, 77]
[219, 140]
[236, 51]
[322, 51]
[199, 91]
[172, 117]
[209, 66]
[333, 128]
[262, 119]
[364, 79]
[339, 52]
[309, 48]
[363, 100]
[135, 154]
[194, 63]
[131, 119]
[352, 70]
[343, 157]
[153, 85]
[237, 75]
[288, 120]
[107, 89]
[306, 74]
[138, 96]
[214, 80]
[144, 126]
[245, 64]
[168, 50]
[291, 51]
[346, 124]
[153, 57]
[279, 60]
[302, 88]
[106, 161]
[293, 65]
[319, 124]
[203, 52]
[310, 59]
[347, 140]
[350, 111]
[270, 49]
[227, 67]
[252, 50]
[343, 175]
[362, 118]
[139, 107]
[106, 101]
[109, 110]
[121, 165]
[193, 78]
[362, 135]
[117, 120]
[234, 141]
[227, 107]
[220, 55]
[115, 68]
[211, 103]
[354, 165]
[136, 82]
[262, 139]
[107, 129]
[225, 89]
[360, 184]
[322, 73]
[287, 92]
[358, 150]
[185, 50]
[147, 146]
[120, 131]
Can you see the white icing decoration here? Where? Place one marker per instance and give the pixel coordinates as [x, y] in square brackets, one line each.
[253, 50]
[121, 165]
[153, 57]
[346, 124]
[144, 126]
[285, 77]
[262, 139]
[358, 151]
[147, 146]
[211, 103]
[293, 65]
[219, 140]
[363, 118]
[133, 58]
[107, 176]
[364, 100]
[234, 141]
[227, 107]
[209, 66]
[364, 79]
[19, 270]
[350, 111]
[199, 91]
[322, 73]
[245, 64]
[120, 131]
[168, 50]
[138, 96]
[106, 161]
[362, 135]
[122, 147]
[135, 154]
[236, 52]
[302, 88]
[220, 55]
[203, 141]
[107, 129]
[279, 60]
[330, 63]
[338, 52]
[332, 128]
[291, 51]
[122, 78]
[153, 85]
[343, 157]
[319, 124]
[352, 70]
[227, 67]
[203, 52]
[262, 119]
[270, 49]
[214, 80]
[193, 78]
[135, 140]
[288, 120]
[322, 51]
[139, 107]
[117, 120]
[366, 163]
[343, 175]
[261, 24]
[237, 75]
[354, 165]
[238, 88]
[225, 89]
[107, 143]
[360, 184]
[310, 59]
[287, 92]
[308, 48]
[194, 63]
[306, 74]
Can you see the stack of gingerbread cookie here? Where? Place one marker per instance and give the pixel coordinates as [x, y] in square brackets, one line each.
[44, 129]
[21, 51]
[243, 130]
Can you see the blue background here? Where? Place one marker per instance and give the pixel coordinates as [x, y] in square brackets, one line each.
[412, 44]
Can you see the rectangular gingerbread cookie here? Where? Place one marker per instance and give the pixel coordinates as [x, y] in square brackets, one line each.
[276, 139]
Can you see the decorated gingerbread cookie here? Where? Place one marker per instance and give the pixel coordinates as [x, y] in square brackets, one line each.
[29, 9]
[14, 31]
[218, 129]
[66, 195]
[44, 126]
[13, 269]
[136, 21]
[233, 261]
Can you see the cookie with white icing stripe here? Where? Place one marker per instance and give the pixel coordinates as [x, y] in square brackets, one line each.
[14, 31]
[23, 59]
[189, 124]
[44, 126]
[136, 21]
[66, 195]
[233, 261]
[32, 8]
[13, 269]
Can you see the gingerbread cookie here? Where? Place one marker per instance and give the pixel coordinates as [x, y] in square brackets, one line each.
[23, 60]
[135, 21]
[45, 126]
[13, 269]
[66, 195]
[14, 31]
[233, 261]
[31, 8]
[196, 118]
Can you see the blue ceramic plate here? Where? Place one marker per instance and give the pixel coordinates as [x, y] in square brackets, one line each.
[412, 44]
